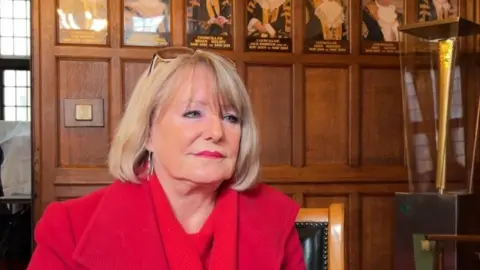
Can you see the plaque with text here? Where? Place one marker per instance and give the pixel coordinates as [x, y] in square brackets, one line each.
[326, 24]
[209, 24]
[146, 23]
[82, 22]
[269, 26]
[380, 22]
[432, 10]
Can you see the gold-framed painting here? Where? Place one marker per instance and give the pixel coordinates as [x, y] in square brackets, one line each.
[146, 23]
[326, 26]
[269, 26]
[209, 24]
[380, 22]
[82, 22]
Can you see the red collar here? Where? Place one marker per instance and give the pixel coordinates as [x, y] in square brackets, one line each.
[122, 233]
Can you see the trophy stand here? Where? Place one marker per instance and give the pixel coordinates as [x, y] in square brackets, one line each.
[437, 227]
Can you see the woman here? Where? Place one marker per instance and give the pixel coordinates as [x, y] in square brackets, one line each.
[186, 157]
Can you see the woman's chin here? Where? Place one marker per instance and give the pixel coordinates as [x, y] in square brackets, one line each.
[210, 179]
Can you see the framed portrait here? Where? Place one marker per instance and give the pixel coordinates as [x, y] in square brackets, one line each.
[326, 26]
[432, 10]
[82, 22]
[380, 22]
[269, 25]
[146, 23]
[209, 24]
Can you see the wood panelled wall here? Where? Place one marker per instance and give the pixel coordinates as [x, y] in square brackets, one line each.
[331, 125]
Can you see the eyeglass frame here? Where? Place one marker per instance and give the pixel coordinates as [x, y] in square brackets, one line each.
[177, 51]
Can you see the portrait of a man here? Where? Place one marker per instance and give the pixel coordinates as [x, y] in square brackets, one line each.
[269, 18]
[431, 10]
[326, 20]
[381, 19]
[210, 17]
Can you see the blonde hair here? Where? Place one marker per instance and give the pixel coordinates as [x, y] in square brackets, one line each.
[128, 153]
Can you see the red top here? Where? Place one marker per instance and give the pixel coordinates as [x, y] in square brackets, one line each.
[116, 228]
[201, 243]
[213, 247]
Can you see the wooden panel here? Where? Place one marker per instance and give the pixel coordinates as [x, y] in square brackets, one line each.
[326, 108]
[378, 227]
[83, 80]
[382, 114]
[271, 94]
[322, 201]
[65, 192]
[131, 73]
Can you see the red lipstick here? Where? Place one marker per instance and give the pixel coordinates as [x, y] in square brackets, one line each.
[210, 154]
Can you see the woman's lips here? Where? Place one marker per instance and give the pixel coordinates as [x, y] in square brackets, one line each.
[210, 154]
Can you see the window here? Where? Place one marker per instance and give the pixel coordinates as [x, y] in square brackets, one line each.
[15, 82]
[458, 133]
[458, 139]
[457, 106]
[423, 157]
[414, 109]
[148, 25]
[15, 28]
[16, 95]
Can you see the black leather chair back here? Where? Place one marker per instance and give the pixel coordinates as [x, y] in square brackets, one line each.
[314, 239]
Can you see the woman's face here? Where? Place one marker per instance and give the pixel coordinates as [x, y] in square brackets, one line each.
[193, 137]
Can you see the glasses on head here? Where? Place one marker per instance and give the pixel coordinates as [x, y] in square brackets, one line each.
[168, 54]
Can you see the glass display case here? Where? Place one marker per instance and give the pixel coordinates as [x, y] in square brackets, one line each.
[441, 125]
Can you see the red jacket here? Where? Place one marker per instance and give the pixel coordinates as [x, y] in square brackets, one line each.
[115, 228]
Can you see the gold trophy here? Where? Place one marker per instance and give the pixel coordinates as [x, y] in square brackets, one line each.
[436, 225]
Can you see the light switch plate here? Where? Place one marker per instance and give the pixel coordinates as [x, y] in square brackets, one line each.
[83, 112]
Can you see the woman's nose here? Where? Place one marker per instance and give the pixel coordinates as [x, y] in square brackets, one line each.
[214, 129]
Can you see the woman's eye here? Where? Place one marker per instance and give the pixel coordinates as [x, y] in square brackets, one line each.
[191, 114]
[231, 118]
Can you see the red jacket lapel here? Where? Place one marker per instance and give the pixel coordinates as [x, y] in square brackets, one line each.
[122, 233]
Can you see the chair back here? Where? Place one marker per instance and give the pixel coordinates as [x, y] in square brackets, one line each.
[321, 231]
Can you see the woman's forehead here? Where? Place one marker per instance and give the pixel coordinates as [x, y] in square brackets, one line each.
[198, 86]
[188, 85]
[198, 98]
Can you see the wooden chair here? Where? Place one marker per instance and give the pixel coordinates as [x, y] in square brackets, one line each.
[322, 232]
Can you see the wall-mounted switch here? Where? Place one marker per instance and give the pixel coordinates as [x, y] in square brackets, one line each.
[83, 112]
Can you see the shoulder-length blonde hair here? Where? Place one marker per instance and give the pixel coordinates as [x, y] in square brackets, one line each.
[128, 153]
